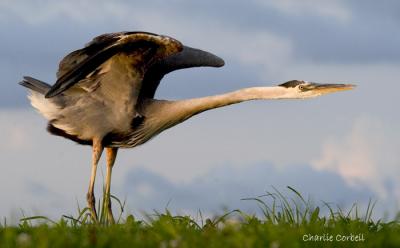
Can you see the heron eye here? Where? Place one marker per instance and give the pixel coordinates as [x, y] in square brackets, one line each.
[301, 87]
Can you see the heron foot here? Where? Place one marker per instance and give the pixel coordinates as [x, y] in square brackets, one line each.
[92, 205]
[110, 215]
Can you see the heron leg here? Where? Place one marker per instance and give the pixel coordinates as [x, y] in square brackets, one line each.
[97, 150]
[111, 156]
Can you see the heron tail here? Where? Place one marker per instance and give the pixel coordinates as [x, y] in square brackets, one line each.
[35, 85]
[48, 108]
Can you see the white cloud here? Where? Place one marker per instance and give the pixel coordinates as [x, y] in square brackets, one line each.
[256, 48]
[29, 160]
[248, 46]
[367, 156]
[35, 13]
[226, 185]
[328, 8]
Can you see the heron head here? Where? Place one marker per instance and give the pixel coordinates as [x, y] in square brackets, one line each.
[304, 89]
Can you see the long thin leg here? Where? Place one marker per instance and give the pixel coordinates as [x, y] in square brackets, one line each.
[111, 156]
[97, 150]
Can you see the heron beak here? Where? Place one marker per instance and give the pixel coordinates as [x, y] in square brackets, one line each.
[330, 88]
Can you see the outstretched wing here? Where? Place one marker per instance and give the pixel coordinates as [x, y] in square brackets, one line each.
[79, 64]
[70, 61]
[187, 58]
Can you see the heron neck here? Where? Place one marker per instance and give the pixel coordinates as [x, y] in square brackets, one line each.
[161, 114]
[191, 107]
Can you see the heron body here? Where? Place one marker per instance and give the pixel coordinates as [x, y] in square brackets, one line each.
[104, 94]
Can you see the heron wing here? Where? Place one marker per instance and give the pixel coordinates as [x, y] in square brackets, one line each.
[70, 61]
[79, 64]
[187, 58]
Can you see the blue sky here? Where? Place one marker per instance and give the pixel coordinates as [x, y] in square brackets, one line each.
[350, 140]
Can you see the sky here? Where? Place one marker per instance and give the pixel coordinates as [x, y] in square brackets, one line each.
[341, 148]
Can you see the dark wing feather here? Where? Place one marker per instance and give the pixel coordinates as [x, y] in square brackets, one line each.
[70, 61]
[81, 63]
[81, 70]
[187, 58]
[98, 43]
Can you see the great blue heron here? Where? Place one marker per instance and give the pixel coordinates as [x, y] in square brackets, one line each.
[104, 95]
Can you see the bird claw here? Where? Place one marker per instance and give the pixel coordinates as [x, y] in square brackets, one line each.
[92, 206]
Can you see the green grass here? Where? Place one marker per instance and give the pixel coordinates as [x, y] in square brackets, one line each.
[285, 222]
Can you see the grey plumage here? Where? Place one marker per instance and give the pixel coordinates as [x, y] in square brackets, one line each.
[82, 72]
[84, 61]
